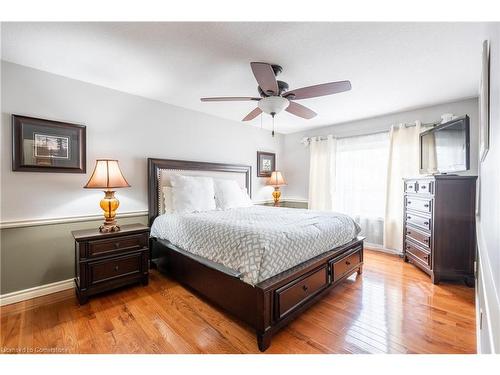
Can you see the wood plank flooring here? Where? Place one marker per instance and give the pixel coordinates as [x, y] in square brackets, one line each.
[391, 308]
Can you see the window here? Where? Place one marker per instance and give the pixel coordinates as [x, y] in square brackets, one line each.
[360, 182]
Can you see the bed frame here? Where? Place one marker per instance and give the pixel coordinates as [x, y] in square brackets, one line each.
[272, 303]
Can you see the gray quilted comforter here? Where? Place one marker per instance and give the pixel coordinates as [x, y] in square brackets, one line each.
[259, 242]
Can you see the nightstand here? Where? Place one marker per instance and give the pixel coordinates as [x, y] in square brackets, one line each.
[105, 261]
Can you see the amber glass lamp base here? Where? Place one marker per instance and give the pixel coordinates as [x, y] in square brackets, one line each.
[276, 196]
[109, 205]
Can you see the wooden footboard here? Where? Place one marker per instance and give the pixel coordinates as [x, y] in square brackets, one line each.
[272, 303]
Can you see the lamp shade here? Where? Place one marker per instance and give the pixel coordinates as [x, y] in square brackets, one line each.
[107, 175]
[276, 179]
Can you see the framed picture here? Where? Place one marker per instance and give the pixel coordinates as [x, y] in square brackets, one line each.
[484, 103]
[266, 163]
[47, 146]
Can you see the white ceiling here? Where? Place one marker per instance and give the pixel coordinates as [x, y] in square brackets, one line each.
[392, 66]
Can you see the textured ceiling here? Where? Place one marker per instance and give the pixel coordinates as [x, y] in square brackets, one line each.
[392, 66]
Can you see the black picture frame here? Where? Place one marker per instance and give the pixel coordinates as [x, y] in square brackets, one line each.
[266, 163]
[40, 145]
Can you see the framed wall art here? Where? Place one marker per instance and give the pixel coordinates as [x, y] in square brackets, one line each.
[40, 145]
[266, 163]
[484, 103]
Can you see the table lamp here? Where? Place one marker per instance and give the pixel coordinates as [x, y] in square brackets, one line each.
[108, 176]
[276, 180]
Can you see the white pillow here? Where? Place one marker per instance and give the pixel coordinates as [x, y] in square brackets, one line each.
[167, 200]
[228, 194]
[192, 194]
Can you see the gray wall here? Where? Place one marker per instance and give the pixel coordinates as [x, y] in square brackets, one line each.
[296, 167]
[39, 255]
[488, 224]
[122, 126]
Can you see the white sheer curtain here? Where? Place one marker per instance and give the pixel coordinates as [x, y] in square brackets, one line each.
[321, 173]
[403, 163]
[360, 182]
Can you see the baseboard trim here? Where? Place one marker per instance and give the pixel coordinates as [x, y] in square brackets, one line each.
[37, 291]
[491, 302]
[64, 220]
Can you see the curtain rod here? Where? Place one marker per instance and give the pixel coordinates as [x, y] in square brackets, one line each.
[306, 140]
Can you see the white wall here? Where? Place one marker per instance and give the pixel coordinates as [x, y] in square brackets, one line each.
[122, 126]
[296, 167]
[488, 221]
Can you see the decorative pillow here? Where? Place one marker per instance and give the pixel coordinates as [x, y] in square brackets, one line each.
[167, 200]
[228, 194]
[192, 194]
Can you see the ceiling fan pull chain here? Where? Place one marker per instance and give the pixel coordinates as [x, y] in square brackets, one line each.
[273, 124]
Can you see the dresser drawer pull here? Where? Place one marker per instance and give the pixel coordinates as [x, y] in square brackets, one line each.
[408, 232]
[116, 268]
[424, 187]
[117, 245]
[410, 186]
[347, 263]
[305, 288]
[426, 205]
[426, 223]
[409, 202]
[408, 217]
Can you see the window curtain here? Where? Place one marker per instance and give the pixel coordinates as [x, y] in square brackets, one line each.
[403, 162]
[322, 173]
[360, 181]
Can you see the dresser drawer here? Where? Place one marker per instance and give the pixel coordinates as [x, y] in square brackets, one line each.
[425, 187]
[418, 204]
[107, 270]
[342, 266]
[420, 254]
[418, 221]
[120, 244]
[422, 238]
[411, 186]
[298, 291]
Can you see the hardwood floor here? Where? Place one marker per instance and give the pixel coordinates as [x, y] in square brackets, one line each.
[391, 308]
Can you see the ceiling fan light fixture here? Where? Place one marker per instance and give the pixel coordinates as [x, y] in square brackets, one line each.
[273, 104]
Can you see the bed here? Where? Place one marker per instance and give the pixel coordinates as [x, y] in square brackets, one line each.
[263, 265]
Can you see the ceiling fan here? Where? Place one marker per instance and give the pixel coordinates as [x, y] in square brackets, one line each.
[275, 97]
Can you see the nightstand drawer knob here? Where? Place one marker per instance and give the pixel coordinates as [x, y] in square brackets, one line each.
[117, 245]
[116, 268]
[347, 263]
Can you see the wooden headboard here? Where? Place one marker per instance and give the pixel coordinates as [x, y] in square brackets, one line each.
[158, 166]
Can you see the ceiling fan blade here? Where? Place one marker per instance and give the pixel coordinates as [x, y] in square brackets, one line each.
[264, 74]
[229, 99]
[257, 111]
[319, 90]
[301, 111]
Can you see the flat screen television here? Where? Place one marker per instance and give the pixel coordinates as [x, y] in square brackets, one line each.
[445, 148]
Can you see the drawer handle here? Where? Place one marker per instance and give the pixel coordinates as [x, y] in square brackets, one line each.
[426, 223]
[347, 263]
[408, 247]
[410, 186]
[117, 245]
[424, 187]
[408, 217]
[116, 268]
[305, 288]
[408, 232]
[426, 205]
[409, 202]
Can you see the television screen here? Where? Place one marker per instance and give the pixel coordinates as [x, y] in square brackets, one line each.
[445, 148]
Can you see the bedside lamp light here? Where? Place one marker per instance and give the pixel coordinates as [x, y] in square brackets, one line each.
[276, 180]
[108, 176]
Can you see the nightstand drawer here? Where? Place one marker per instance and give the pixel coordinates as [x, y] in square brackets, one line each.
[107, 270]
[115, 245]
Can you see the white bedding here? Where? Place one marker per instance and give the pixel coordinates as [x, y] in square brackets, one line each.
[257, 241]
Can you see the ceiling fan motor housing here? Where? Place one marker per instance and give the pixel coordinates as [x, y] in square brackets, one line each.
[282, 88]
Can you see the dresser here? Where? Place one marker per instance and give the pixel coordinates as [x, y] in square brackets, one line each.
[105, 261]
[439, 226]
